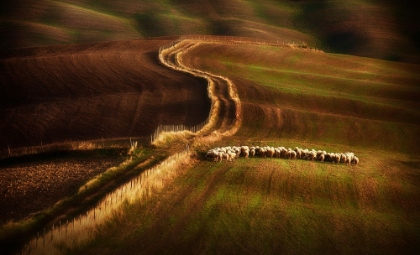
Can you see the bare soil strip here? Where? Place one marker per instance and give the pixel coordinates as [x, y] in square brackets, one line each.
[225, 113]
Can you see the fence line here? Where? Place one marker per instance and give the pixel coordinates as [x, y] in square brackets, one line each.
[82, 228]
[115, 143]
[176, 128]
[242, 40]
[85, 226]
[199, 127]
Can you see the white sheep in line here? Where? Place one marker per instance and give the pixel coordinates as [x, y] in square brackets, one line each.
[230, 153]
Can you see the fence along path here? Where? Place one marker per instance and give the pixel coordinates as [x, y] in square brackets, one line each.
[83, 228]
[175, 128]
[163, 128]
[249, 40]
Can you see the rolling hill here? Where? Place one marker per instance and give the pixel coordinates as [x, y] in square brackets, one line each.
[379, 29]
[280, 206]
[93, 91]
[314, 96]
[73, 70]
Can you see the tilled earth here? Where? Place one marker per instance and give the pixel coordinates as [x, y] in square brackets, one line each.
[27, 188]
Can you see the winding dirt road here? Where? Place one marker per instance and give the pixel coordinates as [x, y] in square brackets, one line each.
[226, 110]
[225, 113]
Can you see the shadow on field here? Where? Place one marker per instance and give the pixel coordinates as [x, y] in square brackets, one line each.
[412, 164]
[52, 155]
[345, 41]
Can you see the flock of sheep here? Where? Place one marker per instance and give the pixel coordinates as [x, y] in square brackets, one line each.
[229, 154]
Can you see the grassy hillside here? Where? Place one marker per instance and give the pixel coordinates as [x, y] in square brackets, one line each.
[33, 23]
[289, 97]
[272, 206]
[278, 206]
[317, 97]
[380, 29]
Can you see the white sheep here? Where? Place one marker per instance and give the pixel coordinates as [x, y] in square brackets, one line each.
[322, 157]
[343, 158]
[277, 153]
[291, 154]
[263, 152]
[349, 157]
[298, 152]
[305, 153]
[355, 160]
[224, 156]
[283, 152]
[270, 151]
[230, 153]
[212, 155]
[252, 152]
[335, 158]
[246, 153]
[310, 155]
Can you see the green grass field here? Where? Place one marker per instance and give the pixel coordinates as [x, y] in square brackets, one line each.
[271, 206]
[267, 206]
[322, 98]
[374, 28]
[290, 97]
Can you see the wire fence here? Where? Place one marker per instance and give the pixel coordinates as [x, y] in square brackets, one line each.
[123, 142]
[246, 40]
[115, 143]
[174, 129]
[79, 230]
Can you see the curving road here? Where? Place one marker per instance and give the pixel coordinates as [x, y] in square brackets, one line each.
[226, 111]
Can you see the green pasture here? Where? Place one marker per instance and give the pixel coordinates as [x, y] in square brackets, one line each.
[129, 19]
[269, 206]
[335, 26]
[329, 98]
[279, 206]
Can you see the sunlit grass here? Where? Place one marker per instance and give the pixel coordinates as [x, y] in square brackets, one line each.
[276, 205]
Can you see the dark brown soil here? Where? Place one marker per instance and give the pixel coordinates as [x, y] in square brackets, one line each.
[29, 187]
[56, 94]
[93, 91]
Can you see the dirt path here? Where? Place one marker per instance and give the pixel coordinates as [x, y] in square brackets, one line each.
[225, 114]
[224, 119]
[63, 94]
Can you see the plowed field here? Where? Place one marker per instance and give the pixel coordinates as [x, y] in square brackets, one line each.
[93, 91]
[75, 93]
[30, 187]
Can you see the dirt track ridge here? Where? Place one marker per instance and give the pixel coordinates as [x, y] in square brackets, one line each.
[226, 111]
